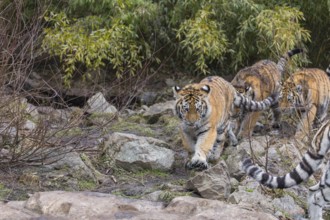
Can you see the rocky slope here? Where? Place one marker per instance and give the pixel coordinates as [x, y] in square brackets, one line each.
[130, 165]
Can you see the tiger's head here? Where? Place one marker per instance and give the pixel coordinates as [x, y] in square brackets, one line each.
[291, 95]
[245, 90]
[192, 103]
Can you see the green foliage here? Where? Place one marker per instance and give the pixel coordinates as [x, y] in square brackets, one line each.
[84, 41]
[279, 30]
[203, 36]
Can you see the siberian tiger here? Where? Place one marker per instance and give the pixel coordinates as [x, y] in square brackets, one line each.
[205, 109]
[258, 82]
[319, 194]
[308, 92]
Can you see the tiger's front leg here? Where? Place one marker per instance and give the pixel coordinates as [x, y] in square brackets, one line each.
[203, 146]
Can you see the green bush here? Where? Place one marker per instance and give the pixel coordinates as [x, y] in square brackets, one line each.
[86, 41]
[204, 36]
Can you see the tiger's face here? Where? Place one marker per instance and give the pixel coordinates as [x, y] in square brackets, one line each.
[291, 95]
[192, 103]
[245, 90]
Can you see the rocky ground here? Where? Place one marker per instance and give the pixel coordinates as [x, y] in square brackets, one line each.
[106, 164]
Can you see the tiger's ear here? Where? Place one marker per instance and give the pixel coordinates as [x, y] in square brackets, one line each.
[176, 89]
[206, 88]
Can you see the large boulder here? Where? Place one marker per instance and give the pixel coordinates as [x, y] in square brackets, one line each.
[98, 104]
[15, 210]
[198, 208]
[160, 108]
[213, 183]
[92, 205]
[133, 152]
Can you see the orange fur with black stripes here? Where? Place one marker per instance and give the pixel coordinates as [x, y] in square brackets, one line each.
[308, 92]
[205, 109]
[258, 82]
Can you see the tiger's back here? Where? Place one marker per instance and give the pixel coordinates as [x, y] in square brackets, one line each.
[259, 81]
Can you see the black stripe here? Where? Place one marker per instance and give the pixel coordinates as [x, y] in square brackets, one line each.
[325, 199]
[315, 156]
[306, 166]
[281, 182]
[253, 170]
[294, 51]
[247, 162]
[318, 205]
[248, 104]
[327, 184]
[326, 179]
[218, 141]
[295, 176]
[264, 178]
[202, 132]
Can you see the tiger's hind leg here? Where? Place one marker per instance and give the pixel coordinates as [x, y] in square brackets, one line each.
[321, 115]
[248, 124]
[319, 195]
[231, 134]
[306, 122]
[217, 148]
[276, 124]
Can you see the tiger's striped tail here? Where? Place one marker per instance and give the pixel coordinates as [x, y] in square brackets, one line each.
[309, 164]
[248, 104]
[285, 57]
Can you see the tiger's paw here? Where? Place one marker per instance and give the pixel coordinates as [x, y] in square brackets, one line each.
[197, 164]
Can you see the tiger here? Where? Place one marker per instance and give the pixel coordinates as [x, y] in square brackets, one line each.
[257, 82]
[205, 109]
[319, 194]
[306, 91]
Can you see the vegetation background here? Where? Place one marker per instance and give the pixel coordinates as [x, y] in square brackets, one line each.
[123, 38]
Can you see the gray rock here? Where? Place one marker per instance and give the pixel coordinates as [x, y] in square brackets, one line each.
[154, 196]
[213, 183]
[250, 196]
[258, 144]
[15, 210]
[29, 125]
[287, 205]
[88, 205]
[160, 108]
[233, 162]
[133, 152]
[74, 164]
[98, 104]
[32, 110]
[148, 98]
[197, 208]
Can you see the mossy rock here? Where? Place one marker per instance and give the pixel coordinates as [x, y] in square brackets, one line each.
[4, 192]
[101, 119]
[125, 126]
